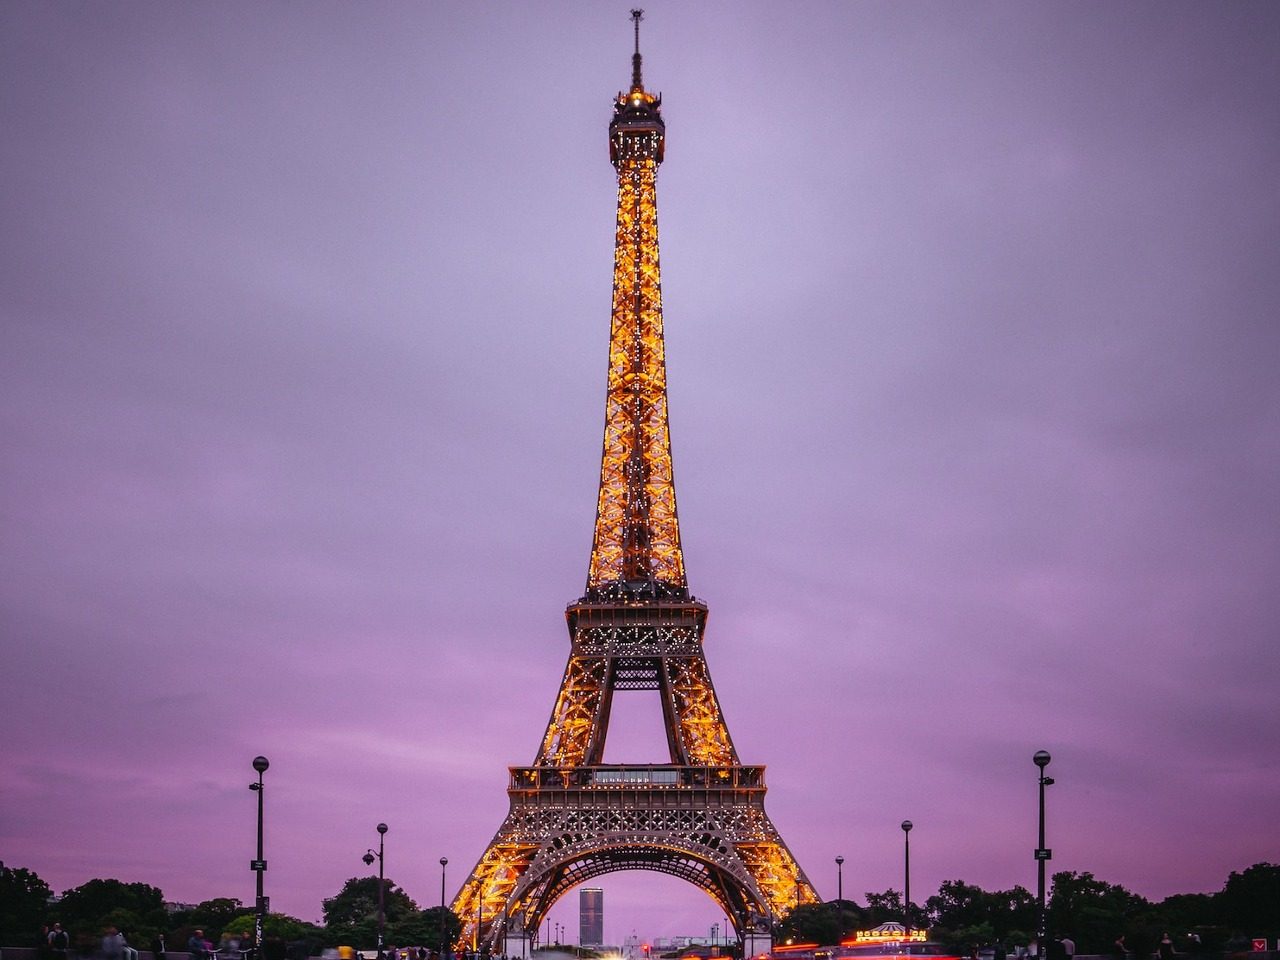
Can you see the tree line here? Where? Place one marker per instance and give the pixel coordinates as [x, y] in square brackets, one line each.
[1090, 911]
[960, 915]
[28, 907]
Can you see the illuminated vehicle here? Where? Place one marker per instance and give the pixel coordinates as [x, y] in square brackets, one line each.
[889, 941]
[797, 951]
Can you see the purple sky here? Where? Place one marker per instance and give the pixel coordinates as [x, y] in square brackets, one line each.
[973, 347]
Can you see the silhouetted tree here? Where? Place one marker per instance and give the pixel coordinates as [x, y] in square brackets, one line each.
[24, 906]
[885, 907]
[822, 923]
[211, 916]
[1182, 911]
[135, 908]
[849, 917]
[351, 915]
[423, 928]
[1250, 902]
[1093, 913]
[277, 928]
[964, 914]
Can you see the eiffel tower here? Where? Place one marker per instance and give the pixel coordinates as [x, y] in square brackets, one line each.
[701, 816]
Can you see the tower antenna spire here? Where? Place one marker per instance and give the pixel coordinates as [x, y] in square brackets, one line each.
[636, 17]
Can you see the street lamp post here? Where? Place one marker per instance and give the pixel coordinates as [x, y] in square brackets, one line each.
[259, 865]
[368, 862]
[444, 917]
[906, 876]
[1043, 854]
[839, 880]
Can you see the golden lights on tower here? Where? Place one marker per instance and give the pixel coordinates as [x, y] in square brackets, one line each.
[637, 534]
[573, 816]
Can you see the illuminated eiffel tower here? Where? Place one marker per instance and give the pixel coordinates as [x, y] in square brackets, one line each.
[701, 816]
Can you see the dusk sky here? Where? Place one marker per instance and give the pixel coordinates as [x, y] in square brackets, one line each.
[973, 331]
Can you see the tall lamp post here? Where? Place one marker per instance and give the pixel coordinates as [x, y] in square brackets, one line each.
[839, 880]
[1043, 853]
[906, 876]
[444, 917]
[368, 862]
[259, 865]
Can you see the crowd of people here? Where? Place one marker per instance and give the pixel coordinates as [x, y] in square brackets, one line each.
[1065, 949]
[56, 944]
[1164, 951]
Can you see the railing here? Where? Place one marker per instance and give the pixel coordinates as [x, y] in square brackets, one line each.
[630, 776]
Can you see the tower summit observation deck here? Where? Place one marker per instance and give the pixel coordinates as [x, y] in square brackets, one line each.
[573, 817]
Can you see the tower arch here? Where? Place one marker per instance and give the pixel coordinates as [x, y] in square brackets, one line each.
[719, 878]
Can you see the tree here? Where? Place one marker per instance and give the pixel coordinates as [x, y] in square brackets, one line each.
[441, 923]
[1094, 913]
[278, 926]
[883, 907]
[424, 928]
[850, 917]
[24, 906]
[1184, 912]
[1014, 914]
[967, 914]
[1248, 902]
[962, 940]
[351, 915]
[958, 904]
[135, 908]
[211, 916]
[819, 922]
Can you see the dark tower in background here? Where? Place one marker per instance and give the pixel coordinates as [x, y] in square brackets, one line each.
[591, 917]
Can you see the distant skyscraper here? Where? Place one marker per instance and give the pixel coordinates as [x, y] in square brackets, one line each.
[591, 917]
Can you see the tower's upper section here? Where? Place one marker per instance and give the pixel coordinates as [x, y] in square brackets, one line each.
[637, 129]
[635, 554]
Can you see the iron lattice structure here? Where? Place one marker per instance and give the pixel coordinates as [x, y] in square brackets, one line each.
[700, 817]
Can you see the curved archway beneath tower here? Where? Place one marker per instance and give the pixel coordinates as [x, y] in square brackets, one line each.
[538, 893]
[636, 907]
